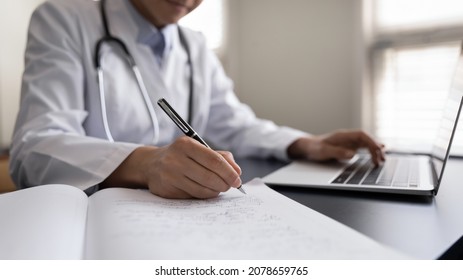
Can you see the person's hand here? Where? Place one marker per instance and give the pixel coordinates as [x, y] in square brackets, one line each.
[184, 169]
[339, 145]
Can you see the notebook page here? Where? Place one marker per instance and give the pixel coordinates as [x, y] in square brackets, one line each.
[134, 224]
[43, 222]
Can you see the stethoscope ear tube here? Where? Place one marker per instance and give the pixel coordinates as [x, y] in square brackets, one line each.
[104, 114]
[108, 38]
[146, 99]
[148, 103]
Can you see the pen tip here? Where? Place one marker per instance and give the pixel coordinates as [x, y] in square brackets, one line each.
[241, 189]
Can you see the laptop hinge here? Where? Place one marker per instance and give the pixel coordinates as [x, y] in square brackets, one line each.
[435, 177]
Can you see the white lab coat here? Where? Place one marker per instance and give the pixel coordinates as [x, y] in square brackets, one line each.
[59, 135]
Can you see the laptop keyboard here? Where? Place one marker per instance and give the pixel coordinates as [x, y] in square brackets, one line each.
[399, 172]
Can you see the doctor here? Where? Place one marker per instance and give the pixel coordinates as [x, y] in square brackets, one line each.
[94, 71]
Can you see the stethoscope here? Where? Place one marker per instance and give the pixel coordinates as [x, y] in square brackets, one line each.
[108, 38]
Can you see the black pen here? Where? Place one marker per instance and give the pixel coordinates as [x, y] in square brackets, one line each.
[184, 126]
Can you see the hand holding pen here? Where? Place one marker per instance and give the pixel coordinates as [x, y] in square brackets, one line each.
[190, 132]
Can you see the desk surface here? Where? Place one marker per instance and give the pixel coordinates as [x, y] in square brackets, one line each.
[422, 227]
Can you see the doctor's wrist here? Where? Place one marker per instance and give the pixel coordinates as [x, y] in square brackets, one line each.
[300, 148]
[131, 172]
[308, 148]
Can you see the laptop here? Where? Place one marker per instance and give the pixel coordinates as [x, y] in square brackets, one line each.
[401, 173]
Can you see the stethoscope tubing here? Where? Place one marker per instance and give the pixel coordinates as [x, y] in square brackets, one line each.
[108, 38]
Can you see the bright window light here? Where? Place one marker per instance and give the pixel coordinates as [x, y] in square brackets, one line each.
[417, 13]
[414, 50]
[208, 18]
[411, 91]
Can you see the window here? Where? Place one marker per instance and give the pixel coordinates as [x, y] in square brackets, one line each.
[415, 14]
[413, 58]
[209, 19]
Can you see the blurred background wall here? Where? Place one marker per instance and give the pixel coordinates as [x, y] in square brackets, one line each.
[296, 62]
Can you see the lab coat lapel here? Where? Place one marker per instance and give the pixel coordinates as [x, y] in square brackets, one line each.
[124, 26]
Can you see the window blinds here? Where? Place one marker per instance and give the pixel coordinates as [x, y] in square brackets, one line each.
[414, 57]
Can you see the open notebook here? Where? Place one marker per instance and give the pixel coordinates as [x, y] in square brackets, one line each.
[61, 222]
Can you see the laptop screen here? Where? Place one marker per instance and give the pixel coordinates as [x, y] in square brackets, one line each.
[449, 121]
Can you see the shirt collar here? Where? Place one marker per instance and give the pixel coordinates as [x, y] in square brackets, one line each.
[146, 30]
